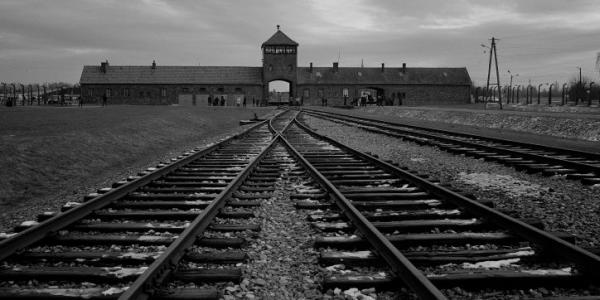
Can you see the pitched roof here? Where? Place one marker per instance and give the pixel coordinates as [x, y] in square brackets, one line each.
[171, 75]
[279, 39]
[358, 75]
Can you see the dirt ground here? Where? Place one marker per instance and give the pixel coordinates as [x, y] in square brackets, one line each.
[50, 155]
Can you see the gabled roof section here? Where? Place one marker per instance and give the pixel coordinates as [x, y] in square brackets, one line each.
[171, 75]
[279, 39]
[358, 75]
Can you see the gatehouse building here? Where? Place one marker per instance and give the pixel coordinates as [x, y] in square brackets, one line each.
[193, 85]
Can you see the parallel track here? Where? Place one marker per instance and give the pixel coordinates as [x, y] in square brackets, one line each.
[125, 242]
[430, 237]
[532, 158]
[155, 234]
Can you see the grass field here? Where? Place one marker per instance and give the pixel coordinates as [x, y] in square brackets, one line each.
[49, 155]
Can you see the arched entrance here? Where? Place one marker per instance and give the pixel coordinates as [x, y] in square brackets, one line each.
[279, 92]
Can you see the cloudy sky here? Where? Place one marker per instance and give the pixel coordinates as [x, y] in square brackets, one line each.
[541, 40]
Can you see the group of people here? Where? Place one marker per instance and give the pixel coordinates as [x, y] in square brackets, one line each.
[216, 101]
[239, 101]
[380, 100]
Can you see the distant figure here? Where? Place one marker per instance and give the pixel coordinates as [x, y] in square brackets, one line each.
[253, 101]
[80, 101]
[244, 103]
[104, 100]
[222, 101]
[209, 100]
[238, 101]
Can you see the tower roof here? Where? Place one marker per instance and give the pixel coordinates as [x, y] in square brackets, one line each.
[279, 39]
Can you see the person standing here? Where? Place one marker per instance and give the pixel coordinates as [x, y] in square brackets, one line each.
[104, 99]
[209, 100]
[80, 101]
[222, 100]
[244, 103]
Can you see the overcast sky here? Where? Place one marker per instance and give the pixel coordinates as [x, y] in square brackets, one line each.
[542, 40]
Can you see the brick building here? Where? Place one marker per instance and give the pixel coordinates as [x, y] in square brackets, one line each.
[192, 85]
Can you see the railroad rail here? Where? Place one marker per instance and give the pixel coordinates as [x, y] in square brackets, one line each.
[126, 241]
[432, 239]
[165, 233]
[533, 158]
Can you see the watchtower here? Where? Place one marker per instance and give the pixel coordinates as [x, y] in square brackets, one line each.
[280, 60]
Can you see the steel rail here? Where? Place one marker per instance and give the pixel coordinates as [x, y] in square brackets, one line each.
[34, 234]
[161, 268]
[591, 155]
[500, 150]
[400, 265]
[586, 261]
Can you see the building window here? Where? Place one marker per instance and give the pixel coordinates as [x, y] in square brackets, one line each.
[306, 93]
[320, 93]
[163, 92]
[221, 90]
[126, 92]
[185, 90]
[345, 92]
[90, 92]
[270, 67]
[107, 92]
[202, 90]
[239, 90]
[141, 93]
[149, 94]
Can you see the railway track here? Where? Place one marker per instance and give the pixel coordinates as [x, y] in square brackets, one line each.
[532, 158]
[178, 231]
[385, 227]
[127, 242]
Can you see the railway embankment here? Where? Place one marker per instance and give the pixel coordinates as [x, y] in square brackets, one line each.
[572, 127]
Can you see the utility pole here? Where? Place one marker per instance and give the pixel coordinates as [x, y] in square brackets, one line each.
[579, 87]
[493, 52]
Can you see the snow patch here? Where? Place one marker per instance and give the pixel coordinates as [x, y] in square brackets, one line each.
[491, 264]
[506, 184]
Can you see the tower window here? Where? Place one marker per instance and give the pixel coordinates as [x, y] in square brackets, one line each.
[163, 92]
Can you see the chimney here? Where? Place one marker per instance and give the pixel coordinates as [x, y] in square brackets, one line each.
[104, 66]
[335, 66]
[154, 64]
[404, 68]
[382, 67]
[310, 69]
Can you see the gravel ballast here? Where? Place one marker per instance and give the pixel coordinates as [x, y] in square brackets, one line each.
[282, 263]
[562, 205]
